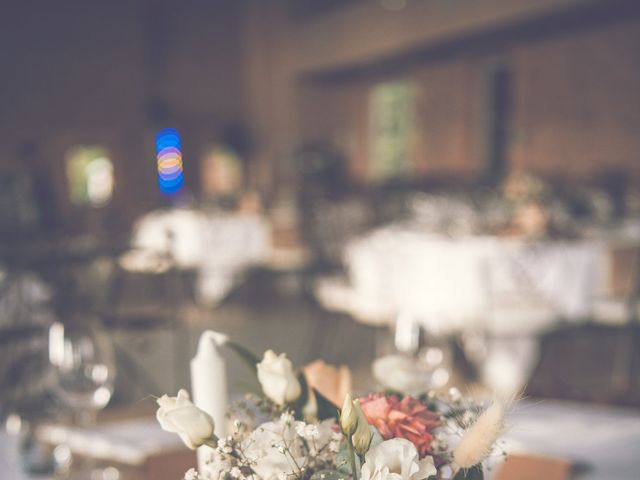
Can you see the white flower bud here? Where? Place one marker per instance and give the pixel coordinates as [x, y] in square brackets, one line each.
[362, 436]
[348, 416]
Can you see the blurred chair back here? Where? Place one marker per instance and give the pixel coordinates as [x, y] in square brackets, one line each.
[593, 363]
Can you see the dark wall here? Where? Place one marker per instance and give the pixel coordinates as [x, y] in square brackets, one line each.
[112, 73]
[571, 105]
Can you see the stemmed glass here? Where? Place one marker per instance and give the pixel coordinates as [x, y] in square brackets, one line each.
[83, 358]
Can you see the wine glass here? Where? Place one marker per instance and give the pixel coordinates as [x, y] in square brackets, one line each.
[83, 359]
[82, 355]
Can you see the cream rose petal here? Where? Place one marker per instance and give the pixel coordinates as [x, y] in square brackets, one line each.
[179, 415]
[276, 376]
[191, 419]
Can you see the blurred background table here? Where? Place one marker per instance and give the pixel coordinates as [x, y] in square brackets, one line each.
[122, 448]
[601, 442]
[449, 283]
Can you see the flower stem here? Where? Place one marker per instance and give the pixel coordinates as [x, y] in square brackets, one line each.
[352, 456]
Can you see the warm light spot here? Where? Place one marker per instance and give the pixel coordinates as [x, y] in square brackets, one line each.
[89, 175]
[13, 425]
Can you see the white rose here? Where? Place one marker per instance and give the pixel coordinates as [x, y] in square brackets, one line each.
[396, 459]
[179, 415]
[276, 376]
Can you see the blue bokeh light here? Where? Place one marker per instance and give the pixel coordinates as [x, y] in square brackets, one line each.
[169, 159]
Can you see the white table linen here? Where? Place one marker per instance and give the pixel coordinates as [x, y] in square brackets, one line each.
[128, 442]
[220, 246]
[450, 283]
[605, 440]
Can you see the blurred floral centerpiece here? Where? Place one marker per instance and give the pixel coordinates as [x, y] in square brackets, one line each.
[528, 196]
[292, 431]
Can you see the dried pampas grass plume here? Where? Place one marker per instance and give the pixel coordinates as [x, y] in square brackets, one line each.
[478, 440]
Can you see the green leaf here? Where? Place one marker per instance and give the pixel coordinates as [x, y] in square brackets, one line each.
[245, 354]
[391, 391]
[299, 404]
[473, 473]
[342, 459]
[376, 438]
[326, 409]
[328, 475]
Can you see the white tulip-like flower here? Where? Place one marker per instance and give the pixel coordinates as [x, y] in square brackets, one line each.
[362, 436]
[348, 416]
[179, 415]
[396, 459]
[277, 378]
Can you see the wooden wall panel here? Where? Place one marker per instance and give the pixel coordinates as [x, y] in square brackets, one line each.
[577, 104]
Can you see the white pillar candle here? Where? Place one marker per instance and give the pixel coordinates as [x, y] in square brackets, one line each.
[209, 382]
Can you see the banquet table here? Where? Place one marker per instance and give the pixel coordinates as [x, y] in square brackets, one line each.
[603, 441]
[449, 283]
[138, 447]
[218, 245]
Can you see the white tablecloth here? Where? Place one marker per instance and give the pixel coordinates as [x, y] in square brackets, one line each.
[220, 246]
[128, 442]
[604, 440]
[449, 283]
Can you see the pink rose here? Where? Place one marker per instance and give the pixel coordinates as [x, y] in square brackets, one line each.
[407, 418]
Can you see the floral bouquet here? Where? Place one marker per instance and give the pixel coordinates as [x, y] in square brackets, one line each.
[291, 431]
